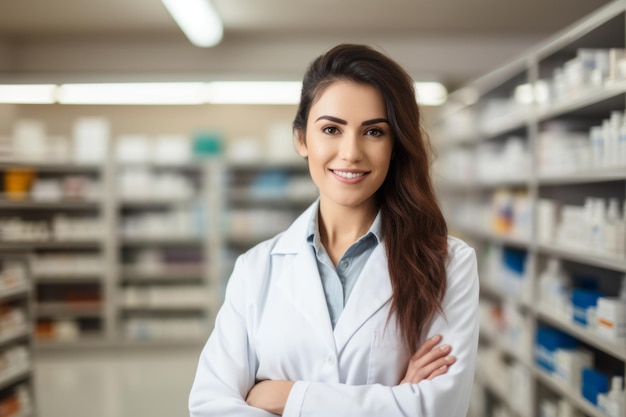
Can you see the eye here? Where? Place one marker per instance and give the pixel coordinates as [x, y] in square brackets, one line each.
[330, 130]
[375, 132]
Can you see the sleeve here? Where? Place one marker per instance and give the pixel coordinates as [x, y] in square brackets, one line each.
[227, 364]
[447, 395]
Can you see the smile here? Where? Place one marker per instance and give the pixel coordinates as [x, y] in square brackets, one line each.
[349, 175]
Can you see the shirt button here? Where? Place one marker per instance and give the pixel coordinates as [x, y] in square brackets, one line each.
[344, 264]
[330, 360]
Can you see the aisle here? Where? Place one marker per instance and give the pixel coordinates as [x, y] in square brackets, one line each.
[151, 382]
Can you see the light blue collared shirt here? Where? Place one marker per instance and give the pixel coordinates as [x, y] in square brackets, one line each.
[339, 281]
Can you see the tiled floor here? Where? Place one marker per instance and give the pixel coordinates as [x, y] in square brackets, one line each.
[131, 382]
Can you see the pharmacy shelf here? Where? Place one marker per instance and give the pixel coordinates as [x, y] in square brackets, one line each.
[12, 336]
[17, 292]
[14, 376]
[52, 167]
[614, 348]
[607, 175]
[582, 256]
[495, 340]
[68, 279]
[33, 245]
[591, 97]
[489, 288]
[601, 29]
[510, 240]
[148, 203]
[164, 241]
[499, 392]
[163, 308]
[73, 205]
[17, 334]
[77, 310]
[132, 275]
[504, 125]
[566, 391]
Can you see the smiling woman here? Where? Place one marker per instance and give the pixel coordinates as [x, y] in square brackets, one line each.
[343, 314]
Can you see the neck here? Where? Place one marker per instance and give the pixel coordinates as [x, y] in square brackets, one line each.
[342, 226]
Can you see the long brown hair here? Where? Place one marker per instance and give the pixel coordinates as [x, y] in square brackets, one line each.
[413, 227]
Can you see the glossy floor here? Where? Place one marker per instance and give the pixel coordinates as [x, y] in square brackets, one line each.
[136, 382]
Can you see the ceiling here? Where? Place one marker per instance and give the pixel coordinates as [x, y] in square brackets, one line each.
[449, 40]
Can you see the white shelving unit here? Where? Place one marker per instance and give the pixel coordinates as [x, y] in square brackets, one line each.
[482, 119]
[16, 334]
[261, 199]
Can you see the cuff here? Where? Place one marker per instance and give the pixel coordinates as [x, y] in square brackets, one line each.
[295, 399]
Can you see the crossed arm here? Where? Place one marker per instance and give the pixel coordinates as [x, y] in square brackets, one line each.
[428, 362]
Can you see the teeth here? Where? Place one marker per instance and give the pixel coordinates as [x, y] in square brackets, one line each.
[349, 174]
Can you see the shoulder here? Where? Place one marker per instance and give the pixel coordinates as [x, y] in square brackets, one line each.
[462, 264]
[458, 247]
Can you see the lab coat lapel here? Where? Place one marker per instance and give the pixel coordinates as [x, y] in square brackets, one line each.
[300, 280]
[371, 291]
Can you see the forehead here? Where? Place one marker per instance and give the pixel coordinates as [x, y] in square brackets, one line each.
[349, 100]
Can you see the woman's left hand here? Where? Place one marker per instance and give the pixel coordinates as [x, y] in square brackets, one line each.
[270, 395]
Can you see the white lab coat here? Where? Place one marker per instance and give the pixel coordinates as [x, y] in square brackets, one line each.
[274, 324]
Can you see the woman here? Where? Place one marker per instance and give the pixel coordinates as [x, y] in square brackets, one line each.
[327, 318]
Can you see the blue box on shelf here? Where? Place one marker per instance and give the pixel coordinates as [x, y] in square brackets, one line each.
[593, 383]
[582, 300]
[547, 342]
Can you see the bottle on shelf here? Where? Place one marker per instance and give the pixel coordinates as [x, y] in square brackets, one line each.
[615, 231]
[554, 286]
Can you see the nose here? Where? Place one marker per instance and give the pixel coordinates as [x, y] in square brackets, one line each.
[350, 148]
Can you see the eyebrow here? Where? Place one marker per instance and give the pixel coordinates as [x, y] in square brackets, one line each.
[343, 122]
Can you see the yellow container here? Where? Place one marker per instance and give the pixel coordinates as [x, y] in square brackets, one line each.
[17, 183]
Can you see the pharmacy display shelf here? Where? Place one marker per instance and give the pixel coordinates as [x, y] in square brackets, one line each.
[489, 288]
[162, 308]
[14, 376]
[503, 182]
[163, 241]
[50, 244]
[566, 391]
[494, 340]
[132, 275]
[18, 333]
[18, 292]
[68, 279]
[66, 205]
[502, 239]
[243, 197]
[54, 167]
[500, 393]
[613, 348]
[605, 175]
[601, 99]
[604, 28]
[582, 256]
[505, 125]
[78, 310]
[156, 202]
[11, 337]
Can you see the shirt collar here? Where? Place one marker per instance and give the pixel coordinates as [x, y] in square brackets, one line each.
[313, 237]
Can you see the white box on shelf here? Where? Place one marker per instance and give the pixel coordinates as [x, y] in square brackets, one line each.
[91, 139]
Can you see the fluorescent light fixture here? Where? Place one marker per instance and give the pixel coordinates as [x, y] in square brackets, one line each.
[429, 93]
[28, 93]
[253, 92]
[198, 20]
[132, 93]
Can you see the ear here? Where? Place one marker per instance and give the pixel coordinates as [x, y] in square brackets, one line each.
[301, 144]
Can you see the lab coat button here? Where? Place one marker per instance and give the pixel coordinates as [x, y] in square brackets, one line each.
[330, 360]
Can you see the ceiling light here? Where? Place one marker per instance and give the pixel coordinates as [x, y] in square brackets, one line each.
[198, 20]
[253, 92]
[132, 93]
[429, 93]
[27, 93]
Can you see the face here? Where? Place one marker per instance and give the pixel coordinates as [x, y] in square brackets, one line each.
[348, 143]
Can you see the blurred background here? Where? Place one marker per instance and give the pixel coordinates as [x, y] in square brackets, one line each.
[139, 157]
